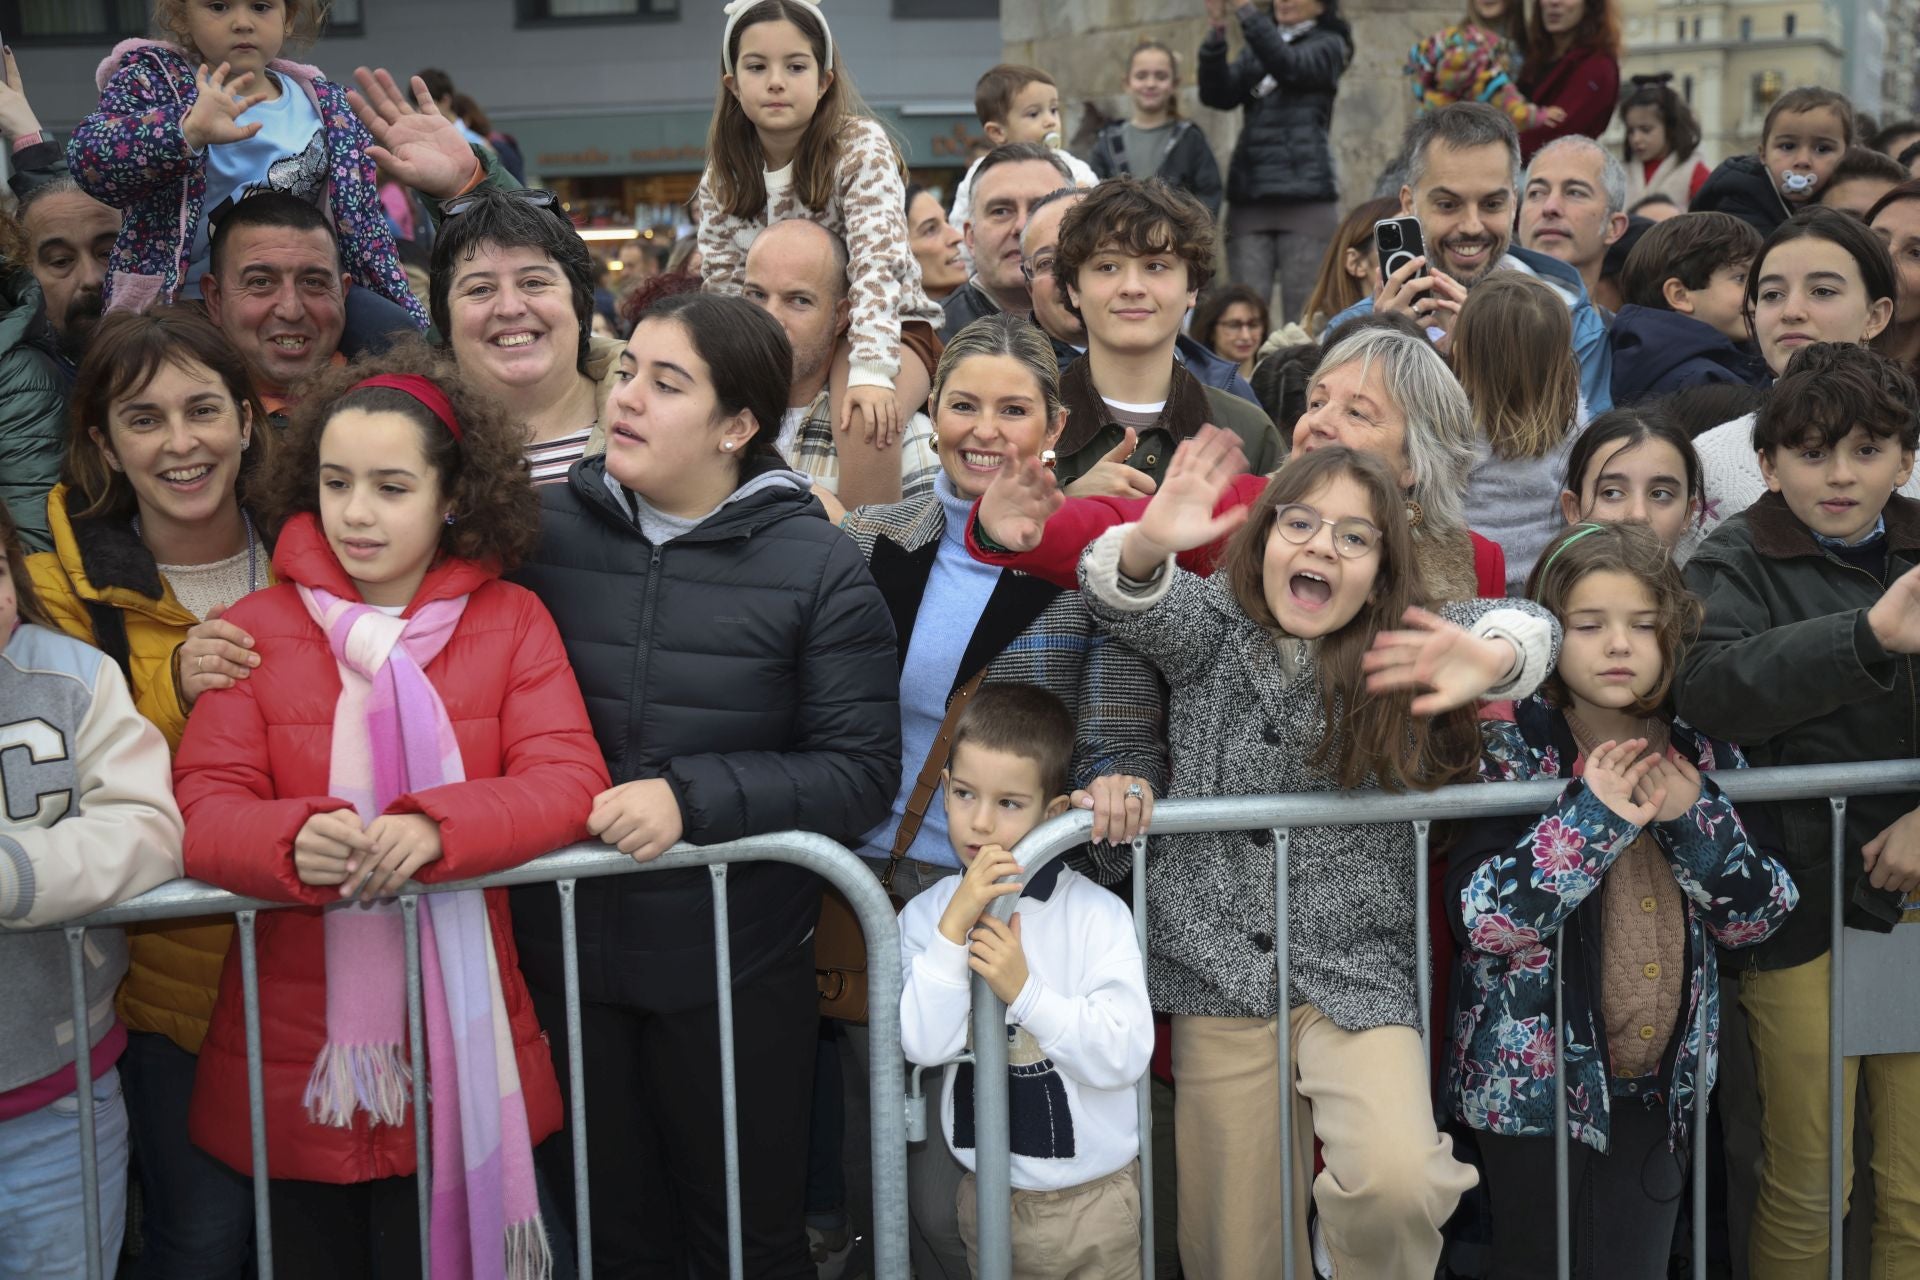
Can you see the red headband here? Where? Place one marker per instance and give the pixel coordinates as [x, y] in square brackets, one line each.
[425, 390]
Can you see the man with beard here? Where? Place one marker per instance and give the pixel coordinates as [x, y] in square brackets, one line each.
[797, 273]
[1462, 183]
[33, 396]
[275, 288]
[70, 236]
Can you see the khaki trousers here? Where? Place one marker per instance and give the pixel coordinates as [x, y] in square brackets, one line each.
[1088, 1232]
[1787, 1018]
[1390, 1180]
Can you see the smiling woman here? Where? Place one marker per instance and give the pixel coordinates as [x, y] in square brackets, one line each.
[512, 295]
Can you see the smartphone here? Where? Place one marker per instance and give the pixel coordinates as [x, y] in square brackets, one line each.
[1397, 241]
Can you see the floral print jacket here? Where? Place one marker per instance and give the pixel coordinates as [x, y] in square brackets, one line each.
[130, 154]
[1514, 884]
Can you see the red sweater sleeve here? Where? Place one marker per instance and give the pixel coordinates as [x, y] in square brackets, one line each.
[239, 834]
[1584, 85]
[1073, 528]
[1489, 567]
[552, 767]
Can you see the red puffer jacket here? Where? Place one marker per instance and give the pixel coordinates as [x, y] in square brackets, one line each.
[252, 769]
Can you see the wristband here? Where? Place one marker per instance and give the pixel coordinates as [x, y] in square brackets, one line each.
[30, 139]
[473, 183]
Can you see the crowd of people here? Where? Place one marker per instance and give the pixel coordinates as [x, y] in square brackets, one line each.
[356, 535]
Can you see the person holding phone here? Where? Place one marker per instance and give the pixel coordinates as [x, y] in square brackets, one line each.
[1463, 165]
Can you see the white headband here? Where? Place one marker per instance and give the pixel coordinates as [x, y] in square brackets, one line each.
[737, 7]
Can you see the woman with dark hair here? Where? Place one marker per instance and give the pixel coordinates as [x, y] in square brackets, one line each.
[1350, 270]
[512, 296]
[1573, 63]
[1282, 192]
[1232, 320]
[153, 540]
[1895, 220]
[935, 243]
[741, 674]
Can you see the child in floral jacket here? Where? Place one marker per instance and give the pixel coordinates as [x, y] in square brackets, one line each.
[1637, 871]
[146, 152]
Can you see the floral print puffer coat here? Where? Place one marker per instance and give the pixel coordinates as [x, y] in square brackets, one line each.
[130, 154]
[1513, 884]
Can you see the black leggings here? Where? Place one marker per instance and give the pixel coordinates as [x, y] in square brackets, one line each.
[324, 1230]
[1624, 1203]
[656, 1161]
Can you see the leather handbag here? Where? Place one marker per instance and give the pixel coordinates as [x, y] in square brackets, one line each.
[839, 946]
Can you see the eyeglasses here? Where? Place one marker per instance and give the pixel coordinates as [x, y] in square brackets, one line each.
[1040, 266]
[1352, 536]
[1251, 326]
[534, 196]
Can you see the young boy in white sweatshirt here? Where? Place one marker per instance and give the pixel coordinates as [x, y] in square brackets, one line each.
[1068, 966]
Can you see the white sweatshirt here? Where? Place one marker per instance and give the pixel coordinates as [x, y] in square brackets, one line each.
[1083, 1028]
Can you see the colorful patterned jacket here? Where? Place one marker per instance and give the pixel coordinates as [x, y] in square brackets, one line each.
[130, 154]
[1468, 64]
[1515, 884]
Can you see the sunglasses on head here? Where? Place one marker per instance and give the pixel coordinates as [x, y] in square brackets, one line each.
[534, 196]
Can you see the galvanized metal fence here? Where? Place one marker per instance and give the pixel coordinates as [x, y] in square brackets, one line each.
[1279, 815]
[565, 870]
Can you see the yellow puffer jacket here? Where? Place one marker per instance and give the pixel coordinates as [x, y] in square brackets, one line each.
[175, 968]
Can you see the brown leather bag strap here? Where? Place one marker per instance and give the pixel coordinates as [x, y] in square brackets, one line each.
[929, 780]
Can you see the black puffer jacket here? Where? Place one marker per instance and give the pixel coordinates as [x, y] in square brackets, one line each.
[1185, 162]
[1742, 187]
[751, 664]
[1283, 153]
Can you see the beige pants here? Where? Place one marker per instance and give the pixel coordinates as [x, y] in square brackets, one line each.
[1390, 1180]
[1088, 1232]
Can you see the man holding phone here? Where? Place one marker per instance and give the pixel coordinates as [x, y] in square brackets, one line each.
[1462, 187]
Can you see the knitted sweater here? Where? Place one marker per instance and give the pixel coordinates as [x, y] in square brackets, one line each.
[1514, 501]
[1466, 63]
[1245, 717]
[867, 212]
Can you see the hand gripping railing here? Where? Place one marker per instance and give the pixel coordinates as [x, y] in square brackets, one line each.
[1279, 814]
[565, 869]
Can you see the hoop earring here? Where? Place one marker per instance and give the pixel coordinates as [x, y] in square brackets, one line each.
[1415, 515]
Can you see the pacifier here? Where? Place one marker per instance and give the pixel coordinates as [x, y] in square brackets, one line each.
[1053, 140]
[1795, 183]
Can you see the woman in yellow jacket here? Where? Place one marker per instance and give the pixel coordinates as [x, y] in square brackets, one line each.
[152, 543]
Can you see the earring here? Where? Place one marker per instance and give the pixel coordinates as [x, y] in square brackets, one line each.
[246, 442]
[726, 444]
[449, 517]
[1415, 516]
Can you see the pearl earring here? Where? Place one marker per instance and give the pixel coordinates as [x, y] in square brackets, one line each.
[726, 444]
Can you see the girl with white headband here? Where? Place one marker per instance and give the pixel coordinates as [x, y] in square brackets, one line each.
[791, 138]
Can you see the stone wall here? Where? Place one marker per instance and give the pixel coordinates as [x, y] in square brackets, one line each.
[1084, 45]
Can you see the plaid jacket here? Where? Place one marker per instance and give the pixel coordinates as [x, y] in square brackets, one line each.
[815, 455]
[1031, 632]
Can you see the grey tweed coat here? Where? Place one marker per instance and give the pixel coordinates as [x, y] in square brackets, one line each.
[1245, 717]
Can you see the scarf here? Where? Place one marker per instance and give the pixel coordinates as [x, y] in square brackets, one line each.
[392, 737]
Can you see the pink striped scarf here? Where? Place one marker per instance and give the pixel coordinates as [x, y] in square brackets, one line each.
[392, 737]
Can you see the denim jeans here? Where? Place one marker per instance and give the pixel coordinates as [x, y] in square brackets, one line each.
[198, 1221]
[42, 1232]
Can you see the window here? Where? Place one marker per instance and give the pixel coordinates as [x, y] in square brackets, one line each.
[1696, 28]
[1681, 34]
[1686, 89]
[43, 22]
[1746, 28]
[948, 8]
[71, 21]
[1767, 86]
[1792, 22]
[582, 12]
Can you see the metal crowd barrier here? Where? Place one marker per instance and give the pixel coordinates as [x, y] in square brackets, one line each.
[1279, 814]
[565, 869]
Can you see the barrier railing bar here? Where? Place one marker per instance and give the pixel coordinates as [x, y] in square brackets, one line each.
[729, 1102]
[256, 1090]
[992, 1150]
[576, 1078]
[1283, 1033]
[417, 1087]
[1562, 1197]
[1144, 1091]
[83, 1094]
[1836, 1065]
[1422, 942]
[1701, 1093]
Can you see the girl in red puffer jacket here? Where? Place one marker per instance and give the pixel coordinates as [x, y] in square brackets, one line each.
[412, 717]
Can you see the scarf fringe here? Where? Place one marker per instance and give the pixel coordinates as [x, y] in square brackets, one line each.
[348, 1078]
[528, 1254]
